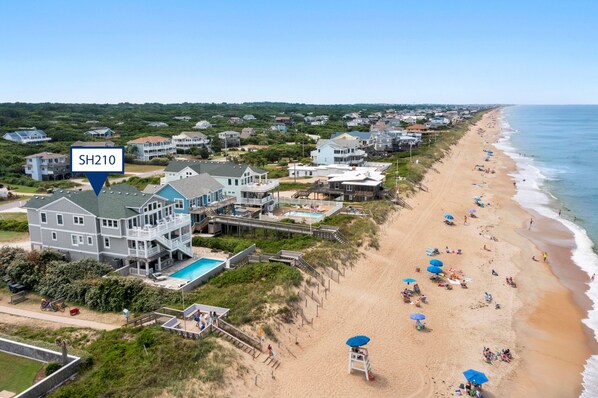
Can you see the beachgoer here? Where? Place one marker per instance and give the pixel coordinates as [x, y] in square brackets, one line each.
[534, 258]
[464, 219]
[531, 221]
[560, 212]
[447, 249]
[271, 352]
[424, 298]
[592, 278]
[545, 256]
[494, 273]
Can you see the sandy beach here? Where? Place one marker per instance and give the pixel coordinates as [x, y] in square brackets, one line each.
[539, 320]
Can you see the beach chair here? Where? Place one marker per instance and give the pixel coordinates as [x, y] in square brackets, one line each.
[432, 251]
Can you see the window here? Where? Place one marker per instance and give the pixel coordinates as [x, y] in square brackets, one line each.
[59, 219]
[90, 241]
[54, 235]
[80, 239]
[230, 182]
[78, 220]
[74, 240]
[104, 223]
[107, 242]
[236, 182]
[44, 217]
[178, 204]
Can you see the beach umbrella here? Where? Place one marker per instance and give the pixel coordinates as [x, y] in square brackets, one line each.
[434, 269]
[357, 341]
[417, 317]
[471, 211]
[490, 152]
[449, 217]
[475, 377]
[409, 280]
[436, 262]
[477, 199]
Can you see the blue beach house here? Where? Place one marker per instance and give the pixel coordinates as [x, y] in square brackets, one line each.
[200, 196]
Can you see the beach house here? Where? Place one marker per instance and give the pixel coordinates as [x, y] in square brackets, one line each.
[189, 139]
[29, 136]
[121, 226]
[202, 125]
[199, 196]
[157, 124]
[248, 132]
[338, 151]
[147, 148]
[248, 184]
[230, 138]
[47, 166]
[100, 132]
[352, 186]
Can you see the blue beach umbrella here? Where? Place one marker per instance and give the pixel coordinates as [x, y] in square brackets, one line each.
[475, 377]
[436, 262]
[490, 152]
[357, 341]
[409, 280]
[434, 269]
[449, 217]
[471, 211]
[417, 317]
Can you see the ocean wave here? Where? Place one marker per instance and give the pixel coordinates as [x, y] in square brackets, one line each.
[531, 193]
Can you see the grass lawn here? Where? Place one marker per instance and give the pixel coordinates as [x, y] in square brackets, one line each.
[141, 168]
[21, 188]
[12, 236]
[17, 373]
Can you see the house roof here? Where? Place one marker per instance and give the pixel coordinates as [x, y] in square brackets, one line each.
[150, 138]
[93, 143]
[339, 142]
[26, 133]
[46, 155]
[192, 187]
[112, 202]
[230, 132]
[193, 134]
[416, 127]
[99, 131]
[363, 135]
[215, 169]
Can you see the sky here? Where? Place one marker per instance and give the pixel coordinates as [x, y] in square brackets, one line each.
[309, 51]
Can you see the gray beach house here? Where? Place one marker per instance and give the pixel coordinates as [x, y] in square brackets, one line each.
[122, 226]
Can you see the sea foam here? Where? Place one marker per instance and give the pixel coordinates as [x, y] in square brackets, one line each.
[533, 195]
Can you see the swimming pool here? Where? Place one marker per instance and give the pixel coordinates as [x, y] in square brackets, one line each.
[197, 268]
[304, 214]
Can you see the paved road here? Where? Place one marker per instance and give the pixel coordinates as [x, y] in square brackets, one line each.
[70, 321]
[13, 205]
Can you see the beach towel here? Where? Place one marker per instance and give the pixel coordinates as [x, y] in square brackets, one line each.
[454, 281]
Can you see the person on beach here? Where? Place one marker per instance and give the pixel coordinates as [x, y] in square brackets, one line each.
[545, 256]
[592, 278]
[465, 219]
[560, 212]
[531, 221]
[534, 258]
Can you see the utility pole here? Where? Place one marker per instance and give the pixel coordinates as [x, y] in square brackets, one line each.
[295, 171]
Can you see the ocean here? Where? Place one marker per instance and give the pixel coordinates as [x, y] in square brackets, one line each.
[555, 148]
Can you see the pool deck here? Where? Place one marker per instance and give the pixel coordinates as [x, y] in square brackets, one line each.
[177, 283]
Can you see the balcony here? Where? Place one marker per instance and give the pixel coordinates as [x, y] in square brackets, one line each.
[144, 253]
[257, 201]
[167, 224]
[260, 186]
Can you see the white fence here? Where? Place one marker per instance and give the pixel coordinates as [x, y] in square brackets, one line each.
[240, 257]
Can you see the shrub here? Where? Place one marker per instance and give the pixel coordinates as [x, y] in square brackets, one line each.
[52, 367]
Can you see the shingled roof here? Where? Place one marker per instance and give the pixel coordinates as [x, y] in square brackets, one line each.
[113, 202]
[215, 169]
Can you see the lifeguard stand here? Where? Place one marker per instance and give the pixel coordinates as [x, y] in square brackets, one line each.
[360, 361]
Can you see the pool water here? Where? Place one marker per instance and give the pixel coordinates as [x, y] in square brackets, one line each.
[197, 269]
[303, 214]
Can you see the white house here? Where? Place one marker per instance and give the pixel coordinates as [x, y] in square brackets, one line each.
[202, 125]
[189, 139]
[31, 136]
[151, 147]
[157, 124]
[248, 117]
[230, 138]
[101, 132]
[183, 118]
[338, 151]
